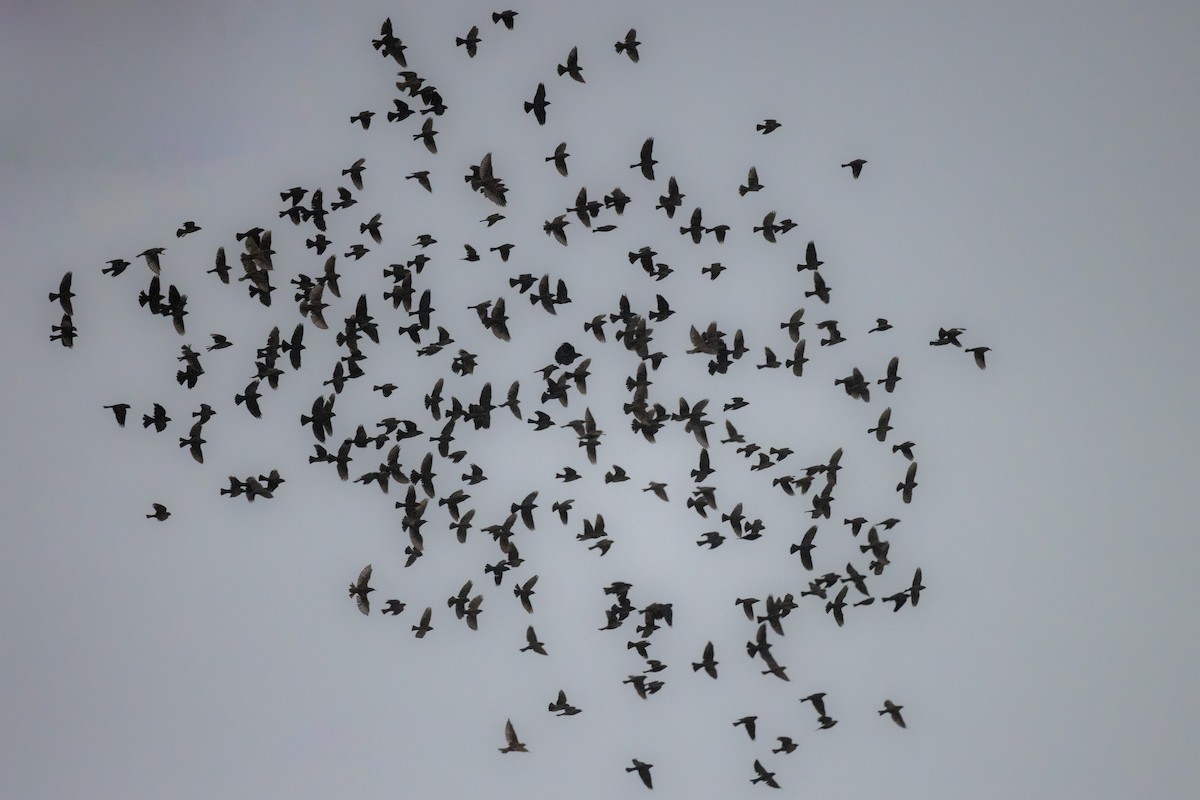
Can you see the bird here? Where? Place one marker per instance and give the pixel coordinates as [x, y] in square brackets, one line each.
[806, 547]
[892, 377]
[893, 710]
[572, 67]
[359, 590]
[752, 184]
[560, 159]
[355, 172]
[881, 324]
[881, 428]
[512, 744]
[471, 42]
[151, 255]
[363, 118]
[707, 663]
[64, 295]
[629, 45]
[646, 160]
[421, 177]
[506, 17]
[186, 228]
[976, 351]
[532, 642]
[538, 105]
[160, 512]
[426, 135]
[393, 607]
[855, 167]
[115, 267]
[786, 745]
[763, 776]
[908, 484]
[424, 627]
[748, 723]
[525, 592]
[766, 126]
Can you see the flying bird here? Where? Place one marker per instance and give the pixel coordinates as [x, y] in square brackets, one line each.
[512, 744]
[359, 590]
[643, 771]
[538, 105]
[572, 67]
[893, 710]
[629, 45]
[646, 161]
[855, 167]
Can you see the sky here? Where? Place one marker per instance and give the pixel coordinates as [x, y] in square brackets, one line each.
[1031, 177]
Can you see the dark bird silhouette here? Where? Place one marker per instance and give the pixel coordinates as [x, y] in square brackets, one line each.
[159, 419]
[186, 228]
[672, 200]
[948, 336]
[560, 159]
[512, 744]
[506, 17]
[976, 351]
[424, 627]
[363, 118]
[820, 290]
[881, 325]
[393, 607]
[355, 171]
[629, 45]
[766, 126]
[119, 411]
[910, 482]
[855, 167]
[752, 184]
[524, 592]
[806, 547]
[194, 442]
[786, 745]
[471, 42]
[646, 160]
[359, 590]
[818, 701]
[151, 255]
[532, 642]
[572, 67]
[64, 295]
[160, 512]
[115, 267]
[426, 135]
[538, 105]
[890, 380]
[707, 663]
[882, 427]
[893, 710]
[643, 771]
[763, 776]
[748, 723]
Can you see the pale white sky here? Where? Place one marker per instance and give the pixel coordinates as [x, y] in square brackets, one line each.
[1032, 177]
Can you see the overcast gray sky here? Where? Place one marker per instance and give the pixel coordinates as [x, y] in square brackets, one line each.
[1032, 178]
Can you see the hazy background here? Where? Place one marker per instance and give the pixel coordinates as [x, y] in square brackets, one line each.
[1032, 177]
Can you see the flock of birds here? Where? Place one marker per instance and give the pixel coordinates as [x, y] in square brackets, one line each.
[564, 383]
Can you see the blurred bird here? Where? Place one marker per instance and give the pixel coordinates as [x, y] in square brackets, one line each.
[855, 167]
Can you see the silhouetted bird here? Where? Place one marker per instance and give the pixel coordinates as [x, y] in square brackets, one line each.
[910, 482]
[507, 17]
[363, 118]
[572, 67]
[64, 295]
[707, 663]
[976, 351]
[766, 126]
[748, 723]
[538, 106]
[763, 776]
[160, 512]
[646, 161]
[893, 710]
[471, 42]
[512, 744]
[359, 590]
[855, 166]
[629, 45]
[187, 227]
